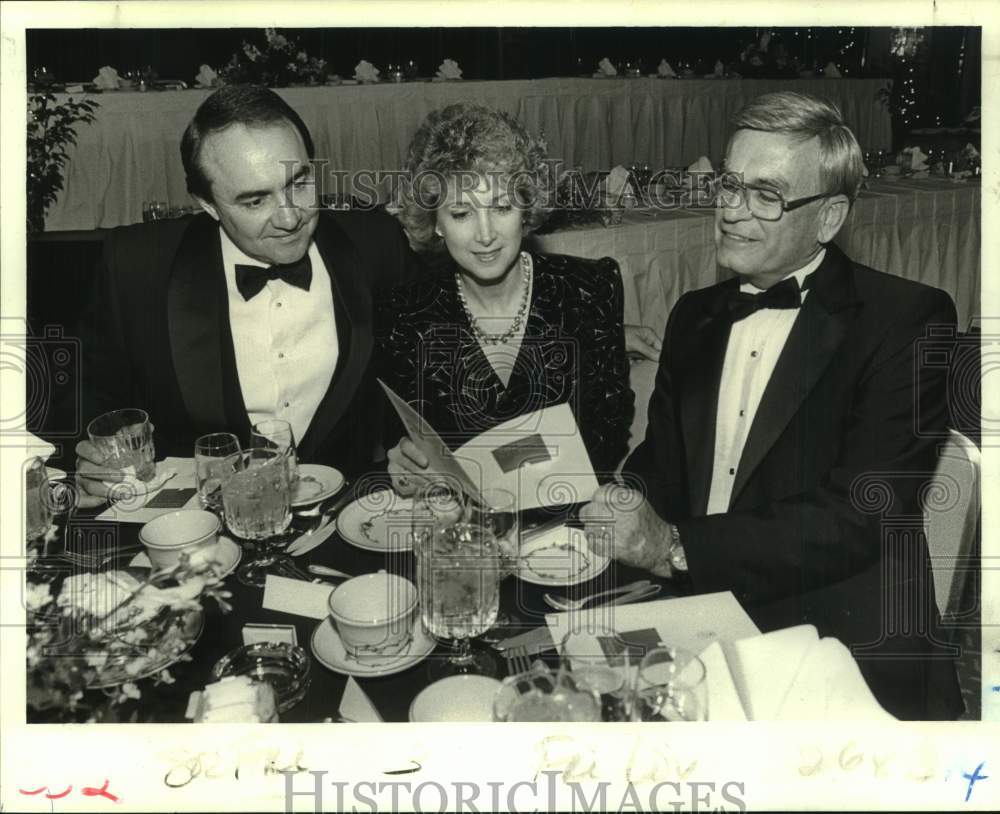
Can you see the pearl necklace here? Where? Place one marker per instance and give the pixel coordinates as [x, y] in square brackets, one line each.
[506, 336]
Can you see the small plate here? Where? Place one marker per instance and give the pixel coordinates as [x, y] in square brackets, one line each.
[379, 521]
[559, 557]
[329, 651]
[456, 698]
[229, 557]
[316, 482]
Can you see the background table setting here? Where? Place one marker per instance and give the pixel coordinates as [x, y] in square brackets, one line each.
[240, 585]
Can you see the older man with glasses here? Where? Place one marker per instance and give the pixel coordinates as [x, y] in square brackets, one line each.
[791, 429]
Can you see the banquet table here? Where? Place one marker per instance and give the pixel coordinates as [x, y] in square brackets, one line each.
[130, 153]
[391, 695]
[926, 230]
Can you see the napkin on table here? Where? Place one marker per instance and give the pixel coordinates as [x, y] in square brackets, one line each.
[701, 165]
[206, 78]
[364, 71]
[720, 69]
[831, 72]
[664, 69]
[449, 70]
[605, 68]
[356, 706]
[617, 184]
[917, 159]
[107, 78]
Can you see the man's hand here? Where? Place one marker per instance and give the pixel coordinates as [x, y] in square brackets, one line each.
[620, 523]
[407, 468]
[91, 473]
[641, 342]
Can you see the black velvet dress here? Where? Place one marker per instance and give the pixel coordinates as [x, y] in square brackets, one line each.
[573, 351]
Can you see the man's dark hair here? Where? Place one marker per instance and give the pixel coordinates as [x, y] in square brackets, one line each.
[249, 105]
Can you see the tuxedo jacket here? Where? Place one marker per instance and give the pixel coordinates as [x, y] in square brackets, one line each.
[824, 524]
[158, 335]
[573, 352]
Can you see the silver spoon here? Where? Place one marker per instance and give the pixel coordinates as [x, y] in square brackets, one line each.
[565, 604]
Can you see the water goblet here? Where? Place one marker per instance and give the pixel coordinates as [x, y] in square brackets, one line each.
[498, 511]
[458, 577]
[670, 686]
[276, 433]
[216, 457]
[608, 675]
[543, 695]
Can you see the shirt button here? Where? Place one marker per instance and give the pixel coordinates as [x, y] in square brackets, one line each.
[287, 404]
[277, 305]
[753, 353]
[281, 355]
[732, 471]
[742, 413]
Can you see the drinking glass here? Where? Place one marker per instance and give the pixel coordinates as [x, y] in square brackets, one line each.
[275, 433]
[458, 577]
[498, 512]
[543, 695]
[591, 668]
[670, 686]
[256, 498]
[37, 500]
[124, 438]
[216, 457]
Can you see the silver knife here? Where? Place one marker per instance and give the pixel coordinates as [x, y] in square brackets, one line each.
[307, 542]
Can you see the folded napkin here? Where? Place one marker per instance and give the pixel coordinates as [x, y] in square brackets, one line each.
[831, 71]
[605, 68]
[720, 69]
[130, 507]
[793, 675]
[107, 78]
[664, 69]
[970, 152]
[915, 158]
[38, 447]
[357, 707]
[449, 70]
[206, 78]
[701, 165]
[618, 186]
[364, 71]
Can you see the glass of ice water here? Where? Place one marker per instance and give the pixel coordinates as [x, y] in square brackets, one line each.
[256, 499]
[216, 457]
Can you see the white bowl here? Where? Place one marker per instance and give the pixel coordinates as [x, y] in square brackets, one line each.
[456, 698]
[374, 614]
[166, 536]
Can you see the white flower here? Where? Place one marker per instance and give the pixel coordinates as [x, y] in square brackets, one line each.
[130, 690]
[37, 595]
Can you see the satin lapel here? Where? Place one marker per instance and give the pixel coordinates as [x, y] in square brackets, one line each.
[194, 299]
[352, 306]
[703, 354]
[815, 337]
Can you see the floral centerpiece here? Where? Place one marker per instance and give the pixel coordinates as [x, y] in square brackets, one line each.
[281, 61]
[98, 637]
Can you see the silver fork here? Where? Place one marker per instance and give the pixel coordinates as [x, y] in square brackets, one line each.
[517, 660]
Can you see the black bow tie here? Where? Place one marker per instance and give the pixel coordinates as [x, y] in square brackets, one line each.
[251, 279]
[785, 294]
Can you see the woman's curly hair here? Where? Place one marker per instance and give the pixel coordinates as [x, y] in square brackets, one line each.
[467, 138]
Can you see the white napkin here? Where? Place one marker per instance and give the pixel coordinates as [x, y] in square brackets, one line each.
[605, 68]
[356, 706]
[720, 69]
[206, 78]
[701, 165]
[917, 159]
[38, 447]
[618, 183]
[131, 507]
[831, 71]
[364, 71]
[107, 78]
[449, 70]
[664, 69]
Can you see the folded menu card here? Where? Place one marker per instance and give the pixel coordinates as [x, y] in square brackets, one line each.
[538, 457]
[296, 596]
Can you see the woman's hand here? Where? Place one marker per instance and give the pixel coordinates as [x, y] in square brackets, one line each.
[641, 342]
[91, 475]
[407, 468]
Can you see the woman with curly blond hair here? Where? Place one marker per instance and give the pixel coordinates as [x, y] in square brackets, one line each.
[494, 331]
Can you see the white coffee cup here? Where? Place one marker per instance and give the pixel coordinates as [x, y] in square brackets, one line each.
[374, 614]
[188, 530]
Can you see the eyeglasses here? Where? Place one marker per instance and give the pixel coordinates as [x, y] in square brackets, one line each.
[764, 203]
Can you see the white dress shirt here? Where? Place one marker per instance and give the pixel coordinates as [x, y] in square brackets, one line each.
[755, 343]
[285, 340]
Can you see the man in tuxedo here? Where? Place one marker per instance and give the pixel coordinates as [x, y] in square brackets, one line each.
[785, 444]
[258, 307]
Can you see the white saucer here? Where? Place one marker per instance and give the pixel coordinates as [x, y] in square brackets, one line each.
[329, 651]
[379, 521]
[316, 482]
[229, 556]
[456, 698]
[559, 557]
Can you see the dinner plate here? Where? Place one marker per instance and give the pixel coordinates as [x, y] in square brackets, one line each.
[315, 483]
[330, 652]
[379, 521]
[559, 557]
[456, 698]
